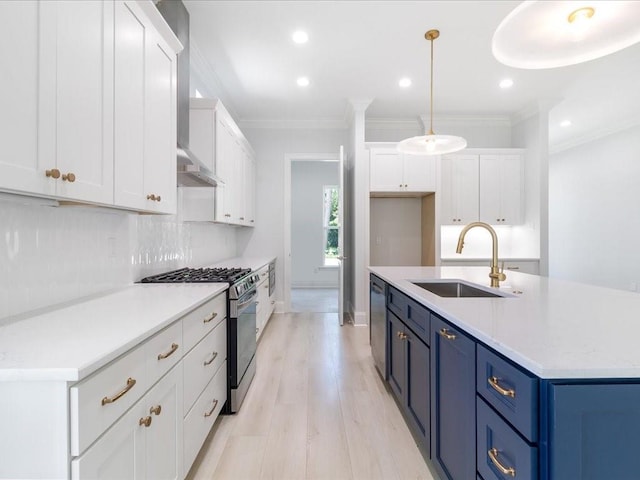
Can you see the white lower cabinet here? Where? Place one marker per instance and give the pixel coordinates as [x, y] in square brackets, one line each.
[266, 304]
[144, 443]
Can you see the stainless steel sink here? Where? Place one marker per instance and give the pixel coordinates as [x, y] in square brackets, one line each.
[457, 289]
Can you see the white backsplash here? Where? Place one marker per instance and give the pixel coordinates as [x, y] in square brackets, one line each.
[51, 255]
[516, 241]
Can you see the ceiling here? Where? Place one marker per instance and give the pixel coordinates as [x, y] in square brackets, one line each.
[360, 50]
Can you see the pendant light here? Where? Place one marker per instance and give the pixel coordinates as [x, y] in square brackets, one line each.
[549, 34]
[430, 143]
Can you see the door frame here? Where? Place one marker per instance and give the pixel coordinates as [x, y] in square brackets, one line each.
[288, 158]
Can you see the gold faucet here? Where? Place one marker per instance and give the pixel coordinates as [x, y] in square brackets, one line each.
[496, 275]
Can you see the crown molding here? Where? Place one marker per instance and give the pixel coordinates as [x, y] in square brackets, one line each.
[392, 123]
[354, 106]
[594, 134]
[288, 124]
[467, 120]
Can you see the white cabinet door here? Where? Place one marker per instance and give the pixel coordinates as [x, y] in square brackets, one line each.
[160, 127]
[419, 173]
[76, 98]
[385, 171]
[460, 191]
[224, 169]
[501, 189]
[250, 190]
[163, 403]
[145, 443]
[20, 164]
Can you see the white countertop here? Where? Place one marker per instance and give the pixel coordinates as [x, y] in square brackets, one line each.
[554, 328]
[68, 344]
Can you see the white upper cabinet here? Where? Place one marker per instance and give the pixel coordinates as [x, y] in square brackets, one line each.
[89, 103]
[391, 171]
[145, 112]
[216, 140]
[459, 195]
[482, 186]
[57, 113]
[501, 189]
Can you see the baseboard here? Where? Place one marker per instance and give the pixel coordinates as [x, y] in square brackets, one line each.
[279, 307]
[360, 319]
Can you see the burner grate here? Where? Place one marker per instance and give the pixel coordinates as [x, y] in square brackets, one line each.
[198, 275]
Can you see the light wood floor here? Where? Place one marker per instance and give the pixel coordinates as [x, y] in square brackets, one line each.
[317, 409]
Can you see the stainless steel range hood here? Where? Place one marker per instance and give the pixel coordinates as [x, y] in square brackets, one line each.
[191, 171]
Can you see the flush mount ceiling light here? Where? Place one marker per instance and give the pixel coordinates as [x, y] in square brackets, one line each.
[404, 82]
[430, 143]
[506, 83]
[565, 123]
[548, 34]
[302, 82]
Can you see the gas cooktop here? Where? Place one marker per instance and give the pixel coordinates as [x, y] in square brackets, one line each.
[199, 275]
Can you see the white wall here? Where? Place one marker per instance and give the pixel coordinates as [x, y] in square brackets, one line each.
[51, 255]
[594, 217]
[307, 234]
[271, 146]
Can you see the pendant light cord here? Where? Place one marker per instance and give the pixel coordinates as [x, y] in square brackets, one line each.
[431, 93]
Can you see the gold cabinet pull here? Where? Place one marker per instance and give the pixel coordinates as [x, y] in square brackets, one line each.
[494, 382]
[146, 421]
[151, 197]
[158, 198]
[53, 173]
[162, 356]
[493, 456]
[130, 383]
[210, 317]
[445, 333]
[210, 412]
[213, 357]
[69, 177]
[156, 410]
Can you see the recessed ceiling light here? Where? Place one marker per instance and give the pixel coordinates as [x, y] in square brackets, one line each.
[565, 123]
[300, 37]
[506, 83]
[302, 81]
[405, 82]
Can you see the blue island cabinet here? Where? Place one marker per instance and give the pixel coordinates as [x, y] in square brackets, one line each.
[453, 401]
[593, 431]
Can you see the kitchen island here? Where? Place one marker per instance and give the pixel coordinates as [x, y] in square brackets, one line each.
[541, 382]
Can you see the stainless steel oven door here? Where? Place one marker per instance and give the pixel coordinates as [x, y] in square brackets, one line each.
[244, 344]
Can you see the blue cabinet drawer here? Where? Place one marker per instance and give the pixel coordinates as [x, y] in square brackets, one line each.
[396, 301]
[501, 453]
[510, 390]
[414, 315]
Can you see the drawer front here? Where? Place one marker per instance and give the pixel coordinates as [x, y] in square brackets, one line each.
[396, 302]
[98, 401]
[197, 323]
[510, 390]
[203, 362]
[202, 416]
[501, 453]
[163, 351]
[418, 319]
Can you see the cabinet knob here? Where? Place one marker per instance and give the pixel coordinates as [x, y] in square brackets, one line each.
[241, 218]
[151, 197]
[405, 185]
[156, 410]
[227, 215]
[146, 421]
[53, 173]
[158, 198]
[69, 177]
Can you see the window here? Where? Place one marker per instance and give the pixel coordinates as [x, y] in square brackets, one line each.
[330, 222]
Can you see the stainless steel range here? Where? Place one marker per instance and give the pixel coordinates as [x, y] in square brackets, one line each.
[241, 322]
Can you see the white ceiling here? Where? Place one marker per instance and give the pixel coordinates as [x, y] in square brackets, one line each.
[360, 49]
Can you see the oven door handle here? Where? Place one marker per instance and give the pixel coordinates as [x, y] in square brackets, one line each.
[244, 304]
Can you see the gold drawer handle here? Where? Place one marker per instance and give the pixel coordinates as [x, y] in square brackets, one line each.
[213, 357]
[493, 381]
[493, 455]
[445, 333]
[146, 421]
[210, 317]
[53, 173]
[210, 412]
[156, 410]
[162, 356]
[130, 383]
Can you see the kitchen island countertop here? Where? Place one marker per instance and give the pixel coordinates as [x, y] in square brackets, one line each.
[554, 328]
[70, 343]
